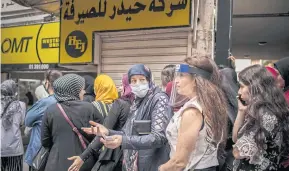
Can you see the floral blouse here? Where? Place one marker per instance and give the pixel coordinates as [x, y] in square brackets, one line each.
[266, 160]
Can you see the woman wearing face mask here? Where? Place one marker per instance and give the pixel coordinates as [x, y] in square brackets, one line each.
[35, 114]
[196, 131]
[57, 134]
[109, 159]
[143, 137]
[12, 117]
[261, 129]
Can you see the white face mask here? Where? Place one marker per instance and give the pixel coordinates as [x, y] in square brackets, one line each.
[140, 89]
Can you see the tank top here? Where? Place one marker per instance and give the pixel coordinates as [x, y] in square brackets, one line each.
[204, 154]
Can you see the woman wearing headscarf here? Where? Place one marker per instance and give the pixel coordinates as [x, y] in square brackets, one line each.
[230, 87]
[279, 80]
[143, 137]
[89, 95]
[12, 117]
[35, 114]
[57, 134]
[105, 94]
[109, 159]
[283, 67]
[281, 84]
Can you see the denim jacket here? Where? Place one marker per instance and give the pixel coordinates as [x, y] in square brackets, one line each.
[34, 119]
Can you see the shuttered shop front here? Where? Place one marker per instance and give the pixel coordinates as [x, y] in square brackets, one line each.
[154, 48]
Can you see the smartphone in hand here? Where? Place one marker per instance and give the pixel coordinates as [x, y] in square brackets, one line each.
[241, 100]
[107, 138]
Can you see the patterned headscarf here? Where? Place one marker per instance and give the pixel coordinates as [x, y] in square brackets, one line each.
[105, 89]
[9, 103]
[68, 87]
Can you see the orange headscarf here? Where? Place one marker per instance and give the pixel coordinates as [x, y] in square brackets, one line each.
[105, 89]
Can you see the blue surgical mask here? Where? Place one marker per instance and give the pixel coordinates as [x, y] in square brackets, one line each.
[140, 89]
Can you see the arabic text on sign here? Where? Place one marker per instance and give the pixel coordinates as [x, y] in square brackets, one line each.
[124, 9]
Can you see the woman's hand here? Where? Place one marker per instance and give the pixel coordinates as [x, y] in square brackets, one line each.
[76, 165]
[164, 167]
[96, 129]
[242, 108]
[113, 142]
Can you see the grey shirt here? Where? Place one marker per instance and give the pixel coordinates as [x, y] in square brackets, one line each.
[11, 140]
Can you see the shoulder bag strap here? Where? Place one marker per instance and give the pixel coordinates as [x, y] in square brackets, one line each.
[73, 127]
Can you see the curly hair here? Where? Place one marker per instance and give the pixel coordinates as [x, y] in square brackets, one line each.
[266, 97]
[211, 98]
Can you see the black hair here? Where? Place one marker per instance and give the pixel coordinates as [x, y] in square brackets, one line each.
[52, 75]
[265, 97]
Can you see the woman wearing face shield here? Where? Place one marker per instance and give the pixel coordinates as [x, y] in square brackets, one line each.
[143, 137]
[199, 128]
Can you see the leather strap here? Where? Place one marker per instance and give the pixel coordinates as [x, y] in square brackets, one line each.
[73, 127]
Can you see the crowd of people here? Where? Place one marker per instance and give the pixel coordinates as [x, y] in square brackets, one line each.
[203, 117]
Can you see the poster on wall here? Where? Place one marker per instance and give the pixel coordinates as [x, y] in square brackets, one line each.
[81, 18]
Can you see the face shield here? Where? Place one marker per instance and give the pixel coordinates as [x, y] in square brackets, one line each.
[180, 88]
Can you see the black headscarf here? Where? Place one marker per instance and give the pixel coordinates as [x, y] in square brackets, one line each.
[283, 67]
[9, 103]
[89, 95]
[230, 88]
[68, 87]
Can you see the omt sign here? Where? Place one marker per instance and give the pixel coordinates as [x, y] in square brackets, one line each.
[34, 44]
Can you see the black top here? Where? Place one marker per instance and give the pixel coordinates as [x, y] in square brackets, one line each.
[283, 67]
[115, 120]
[57, 134]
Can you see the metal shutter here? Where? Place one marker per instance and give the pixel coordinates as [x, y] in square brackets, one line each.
[154, 48]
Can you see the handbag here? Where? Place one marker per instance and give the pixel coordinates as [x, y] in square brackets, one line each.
[40, 160]
[142, 127]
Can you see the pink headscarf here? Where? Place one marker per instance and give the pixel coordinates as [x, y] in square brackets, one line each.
[127, 94]
[272, 71]
[275, 75]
